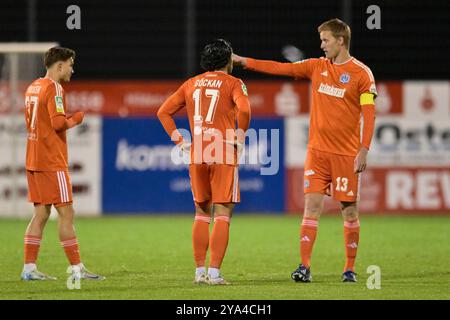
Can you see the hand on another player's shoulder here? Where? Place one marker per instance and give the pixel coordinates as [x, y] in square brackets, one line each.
[238, 60]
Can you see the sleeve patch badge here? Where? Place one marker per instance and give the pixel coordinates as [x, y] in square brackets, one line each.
[59, 104]
[244, 89]
[373, 89]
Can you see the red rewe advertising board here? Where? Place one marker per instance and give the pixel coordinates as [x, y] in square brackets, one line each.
[383, 190]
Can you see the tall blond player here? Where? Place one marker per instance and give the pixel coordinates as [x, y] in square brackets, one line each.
[343, 89]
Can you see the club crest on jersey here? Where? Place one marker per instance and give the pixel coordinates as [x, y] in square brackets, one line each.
[344, 78]
[59, 104]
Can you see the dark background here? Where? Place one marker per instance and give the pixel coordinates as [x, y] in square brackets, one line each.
[147, 39]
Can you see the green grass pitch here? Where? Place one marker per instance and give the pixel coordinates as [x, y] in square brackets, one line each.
[151, 258]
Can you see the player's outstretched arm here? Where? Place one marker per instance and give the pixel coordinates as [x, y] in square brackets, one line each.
[265, 66]
[61, 123]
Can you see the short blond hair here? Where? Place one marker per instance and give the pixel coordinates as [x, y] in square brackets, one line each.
[338, 28]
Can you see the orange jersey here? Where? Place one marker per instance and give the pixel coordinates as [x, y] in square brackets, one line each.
[46, 148]
[214, 102]
[335, 107]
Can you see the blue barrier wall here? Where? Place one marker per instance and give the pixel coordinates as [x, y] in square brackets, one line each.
[140, 177]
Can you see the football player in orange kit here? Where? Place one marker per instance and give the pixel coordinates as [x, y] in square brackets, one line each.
[214, 101]
[343, 88]
[47, 164]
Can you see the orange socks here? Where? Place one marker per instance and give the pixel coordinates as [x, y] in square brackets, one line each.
[219, 240]
[70, 247]
[351, 235]
[308, 232]
[308, 236]
[200, 238]
[33, 243]
[31, 248]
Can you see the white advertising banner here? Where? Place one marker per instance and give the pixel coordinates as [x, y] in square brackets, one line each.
[13, 182]
[397, 142]
[296, 140]
[405, 142]
[84, 159]
[85, 147]
[426, 100]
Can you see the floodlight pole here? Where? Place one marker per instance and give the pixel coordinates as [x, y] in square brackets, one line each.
[32, 22]
[13, 80]
[190, 38]
[347, 11]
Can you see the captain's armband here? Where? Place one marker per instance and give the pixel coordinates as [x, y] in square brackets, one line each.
[366, 98]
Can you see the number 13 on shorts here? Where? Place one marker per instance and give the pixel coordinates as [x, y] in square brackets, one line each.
[347, 188]
[341, 184]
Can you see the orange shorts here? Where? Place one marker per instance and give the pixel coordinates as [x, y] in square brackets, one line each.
[331, 174]
[218, 183]
[49, 187]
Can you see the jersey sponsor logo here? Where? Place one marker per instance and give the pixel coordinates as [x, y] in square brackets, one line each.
[325, 73]
[344, 78]
[309, 172]
[59, 104]
[331, 90]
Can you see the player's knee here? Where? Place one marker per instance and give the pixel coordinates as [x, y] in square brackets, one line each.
[41, 219]
[66, 213]
[41, 216]
[66, 218]
[313, 209]
[350, 216]
[203, 207]
[349, 210]
[222, 209]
